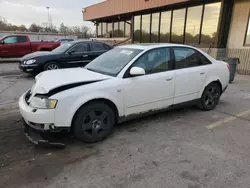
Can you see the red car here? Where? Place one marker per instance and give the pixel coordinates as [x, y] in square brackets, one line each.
[20, 45]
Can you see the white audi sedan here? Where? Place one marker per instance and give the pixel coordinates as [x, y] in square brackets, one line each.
[125, 82]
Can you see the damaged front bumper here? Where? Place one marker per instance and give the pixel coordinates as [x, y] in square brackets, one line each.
[41, 137]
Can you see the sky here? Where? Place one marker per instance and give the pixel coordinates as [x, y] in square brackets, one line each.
[27, 12]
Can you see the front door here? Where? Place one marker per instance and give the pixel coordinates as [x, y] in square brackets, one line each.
[191, 69]
[152, 91]
[9, 47]
[77, 56]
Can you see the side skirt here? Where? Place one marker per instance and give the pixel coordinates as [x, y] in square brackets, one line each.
[152, 112]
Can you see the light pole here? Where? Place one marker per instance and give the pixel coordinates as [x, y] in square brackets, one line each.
[48, 17]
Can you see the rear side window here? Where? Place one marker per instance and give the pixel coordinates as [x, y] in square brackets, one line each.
[79, 48]
[97, 47]
[187, 57]
[21, 39]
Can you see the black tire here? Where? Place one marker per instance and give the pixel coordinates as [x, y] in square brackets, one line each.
[50, 65]
[93, 122]
[210, 97]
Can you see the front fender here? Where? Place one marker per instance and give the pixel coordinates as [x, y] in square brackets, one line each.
[67, 118]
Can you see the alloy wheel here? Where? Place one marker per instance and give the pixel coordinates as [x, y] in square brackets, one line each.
[95, 123]
[52, 67]
[212, 97]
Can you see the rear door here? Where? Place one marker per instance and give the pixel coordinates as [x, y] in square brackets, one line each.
[76, 56]
[9, 48]
[96, 49]
[23, 46]
[191, 69]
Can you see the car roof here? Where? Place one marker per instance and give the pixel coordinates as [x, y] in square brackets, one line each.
[148, 46]
[85, 40]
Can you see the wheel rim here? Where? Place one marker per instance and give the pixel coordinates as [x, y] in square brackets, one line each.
[52, 67]
[212, 97]
[96, 123]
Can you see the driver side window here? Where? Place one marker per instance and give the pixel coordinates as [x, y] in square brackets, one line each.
[154, 61]
[10, 40]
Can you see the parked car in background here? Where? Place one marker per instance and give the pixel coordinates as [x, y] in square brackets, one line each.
[122, 83]
[68, 55]
[62, 41]
[20, 45]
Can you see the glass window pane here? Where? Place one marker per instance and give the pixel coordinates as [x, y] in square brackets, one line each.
[137, 25]
[10, 40]
[165, 26]
[186, 57]
[116, 29]
[145, 30]
[210, 23]
[193, 25]
[104, 29]
[155, 27]
[247, 41]
[121, 30]
[127, 29]
[110, 30]
[154, 61]
[178, 26]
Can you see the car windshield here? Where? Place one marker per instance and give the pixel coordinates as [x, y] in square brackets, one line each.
[63, 48]
[113, 61]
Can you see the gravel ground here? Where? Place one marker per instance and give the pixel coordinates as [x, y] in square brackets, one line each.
[182, 148]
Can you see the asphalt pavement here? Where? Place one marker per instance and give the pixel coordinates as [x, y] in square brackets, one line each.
[184, 148]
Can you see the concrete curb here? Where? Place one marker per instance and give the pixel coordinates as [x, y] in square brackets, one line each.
[9, 60]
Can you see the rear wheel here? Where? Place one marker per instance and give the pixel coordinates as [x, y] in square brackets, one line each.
[210, 97]
[94, 122]
[51, 66]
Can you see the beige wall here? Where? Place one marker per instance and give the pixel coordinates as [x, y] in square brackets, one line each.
[239, 24]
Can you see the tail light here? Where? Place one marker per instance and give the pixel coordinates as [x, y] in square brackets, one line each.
[228, 66]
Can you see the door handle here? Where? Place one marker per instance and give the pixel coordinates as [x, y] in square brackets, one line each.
[85, 56]
[202, 73]
[169, 79]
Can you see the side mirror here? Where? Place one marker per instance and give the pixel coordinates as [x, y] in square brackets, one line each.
[137, 71]
[2, 42]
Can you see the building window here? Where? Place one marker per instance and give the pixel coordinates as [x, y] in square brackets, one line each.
[178, 26]
[121, 29]
[110, 30]
[145, 30]
[127, 29]
[137, 28]
[104, 29]
[165, 26]
[210, 23]
[155, 27]
[116, 29]
[193, 25]
[247, 38]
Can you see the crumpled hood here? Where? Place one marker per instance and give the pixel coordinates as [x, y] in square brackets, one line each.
[49, 80]
[35, 55]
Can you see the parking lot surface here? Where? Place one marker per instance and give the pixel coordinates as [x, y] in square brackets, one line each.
[181, 148]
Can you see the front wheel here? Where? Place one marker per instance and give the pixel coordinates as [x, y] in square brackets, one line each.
[51, 66]
[94, 122]
[210, 97]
